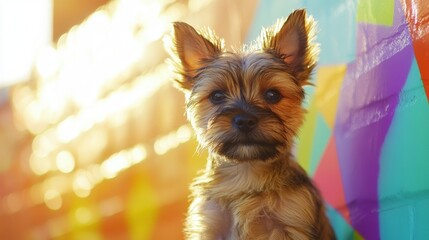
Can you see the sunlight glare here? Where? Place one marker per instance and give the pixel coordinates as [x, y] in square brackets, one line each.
[138, 154]
[47, 62]
[53, 199]
[81, 185]
[39, 166]
[84, 215]
[13, 202]
[67, 130]
[172, 140]
[113, 165]
[65, 162]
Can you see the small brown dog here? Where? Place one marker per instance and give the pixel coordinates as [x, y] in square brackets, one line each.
[245, 107]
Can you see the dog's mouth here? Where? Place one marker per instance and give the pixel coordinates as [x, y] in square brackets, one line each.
[264, 141]
[248, 150]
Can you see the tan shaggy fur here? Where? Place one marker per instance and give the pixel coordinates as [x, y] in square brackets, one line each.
[245, 107]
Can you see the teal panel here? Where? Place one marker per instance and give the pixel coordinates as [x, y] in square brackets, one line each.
[342, 229]
[404, 177]
[321, 136]
[398, 223]
[336, 32]
[309, 95]
[336, 25]
[421, 213]
[268, 12]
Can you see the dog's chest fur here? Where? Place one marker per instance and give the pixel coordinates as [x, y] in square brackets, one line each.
[253, 198]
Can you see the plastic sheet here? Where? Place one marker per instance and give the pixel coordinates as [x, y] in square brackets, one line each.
[364, 138]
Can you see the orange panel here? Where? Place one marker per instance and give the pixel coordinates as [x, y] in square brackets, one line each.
[417, 14]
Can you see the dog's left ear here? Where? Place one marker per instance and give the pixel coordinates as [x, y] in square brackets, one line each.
[292, 42]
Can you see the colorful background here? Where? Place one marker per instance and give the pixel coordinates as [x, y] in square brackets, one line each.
[94, 143]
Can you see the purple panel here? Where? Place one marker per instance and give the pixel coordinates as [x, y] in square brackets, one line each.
[366, 106]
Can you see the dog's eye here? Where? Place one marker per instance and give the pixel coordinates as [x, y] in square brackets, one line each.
[217, 96]
[272, 96]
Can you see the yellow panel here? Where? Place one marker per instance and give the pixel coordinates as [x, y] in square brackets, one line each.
[306, 136]
[328, 85]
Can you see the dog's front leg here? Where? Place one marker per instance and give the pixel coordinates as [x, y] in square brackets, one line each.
[206, 220]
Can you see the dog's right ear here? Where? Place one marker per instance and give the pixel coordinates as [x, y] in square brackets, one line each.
[191, 51]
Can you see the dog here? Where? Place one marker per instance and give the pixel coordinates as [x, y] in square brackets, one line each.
[246, 108]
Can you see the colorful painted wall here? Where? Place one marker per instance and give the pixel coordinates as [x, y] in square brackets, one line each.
[95, 145]
[365, 138]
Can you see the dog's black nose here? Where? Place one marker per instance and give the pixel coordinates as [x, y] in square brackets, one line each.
[244, 122]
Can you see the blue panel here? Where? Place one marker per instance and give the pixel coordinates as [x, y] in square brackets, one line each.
[404, 156]
[321, 135]
[404, 163]
[398, 222]
[342, 229]
[421, 222]
[267, 14]
[336, 24]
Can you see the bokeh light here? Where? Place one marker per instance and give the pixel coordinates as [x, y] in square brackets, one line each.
[88, 130]
[65, 162]
[53, 199]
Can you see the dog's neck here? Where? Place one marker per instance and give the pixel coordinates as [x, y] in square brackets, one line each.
[228, 178]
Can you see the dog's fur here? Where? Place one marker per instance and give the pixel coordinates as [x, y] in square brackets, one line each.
[246, 108]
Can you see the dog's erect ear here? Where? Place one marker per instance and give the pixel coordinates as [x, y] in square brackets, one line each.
[192, 51]
[292, 42]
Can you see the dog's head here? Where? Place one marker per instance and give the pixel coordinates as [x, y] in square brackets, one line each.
[246, 105]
